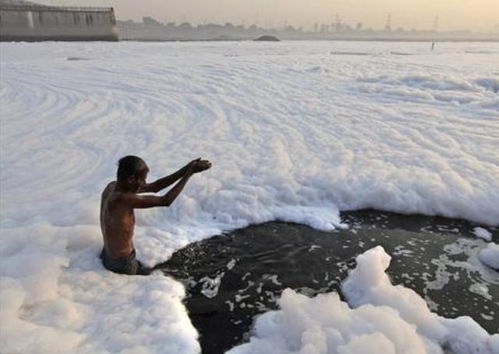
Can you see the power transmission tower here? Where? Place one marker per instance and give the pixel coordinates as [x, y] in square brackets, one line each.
[435, 23]
[388, 25]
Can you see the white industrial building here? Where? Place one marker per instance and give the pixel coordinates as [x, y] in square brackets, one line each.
[26, 21]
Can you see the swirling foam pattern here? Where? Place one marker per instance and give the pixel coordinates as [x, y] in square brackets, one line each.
[295, 132]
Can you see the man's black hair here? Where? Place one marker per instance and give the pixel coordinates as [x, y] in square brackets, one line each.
[131, 166]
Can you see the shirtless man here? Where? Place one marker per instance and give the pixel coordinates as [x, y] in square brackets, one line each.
[121, 197]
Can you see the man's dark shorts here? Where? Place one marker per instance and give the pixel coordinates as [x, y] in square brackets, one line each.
[124, 265]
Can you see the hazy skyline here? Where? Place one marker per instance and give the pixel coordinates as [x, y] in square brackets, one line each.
[417, 14]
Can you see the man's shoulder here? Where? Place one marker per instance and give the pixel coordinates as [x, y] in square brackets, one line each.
[117, 194]
[113, 197]
[110, 187]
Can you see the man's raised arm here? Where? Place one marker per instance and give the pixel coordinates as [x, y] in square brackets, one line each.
[164, 182]
[149, 201]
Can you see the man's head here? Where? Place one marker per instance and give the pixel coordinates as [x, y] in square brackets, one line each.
[132, 171]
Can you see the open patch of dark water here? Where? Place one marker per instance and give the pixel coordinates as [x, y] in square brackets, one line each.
[233, 277]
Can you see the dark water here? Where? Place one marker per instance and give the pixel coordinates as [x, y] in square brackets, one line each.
[233, 277]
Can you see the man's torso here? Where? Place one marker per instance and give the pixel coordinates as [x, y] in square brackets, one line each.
[117, 223]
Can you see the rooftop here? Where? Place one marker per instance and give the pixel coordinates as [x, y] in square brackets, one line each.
[32, 6]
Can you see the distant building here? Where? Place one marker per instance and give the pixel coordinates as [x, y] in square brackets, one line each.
[26, 21]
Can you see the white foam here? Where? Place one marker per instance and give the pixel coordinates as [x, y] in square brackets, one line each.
[461, 256]
[294, 133]
[378, 318]
[482, 233]
[56, 297]
[210, 286]
[490, 255]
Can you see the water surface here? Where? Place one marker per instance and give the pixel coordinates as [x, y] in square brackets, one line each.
[233, 277]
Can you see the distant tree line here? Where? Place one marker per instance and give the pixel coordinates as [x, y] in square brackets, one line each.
[152, 29]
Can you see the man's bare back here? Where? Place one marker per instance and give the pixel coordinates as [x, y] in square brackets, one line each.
[121, 197]
[117, 223]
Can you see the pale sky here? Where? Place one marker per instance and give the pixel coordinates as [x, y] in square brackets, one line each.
[418, 14]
